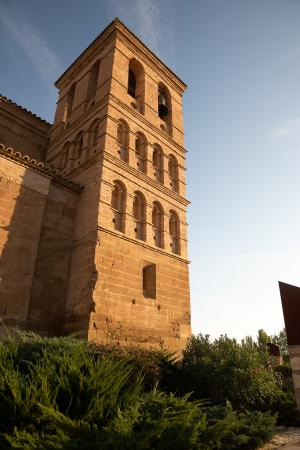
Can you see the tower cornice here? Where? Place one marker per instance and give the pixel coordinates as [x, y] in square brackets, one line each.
[117, 29]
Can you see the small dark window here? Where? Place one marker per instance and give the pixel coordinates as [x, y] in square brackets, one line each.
[149, 281]
[131, 84]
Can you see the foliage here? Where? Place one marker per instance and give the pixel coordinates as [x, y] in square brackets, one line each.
[62, 393]
[227, 370]
[281, 340]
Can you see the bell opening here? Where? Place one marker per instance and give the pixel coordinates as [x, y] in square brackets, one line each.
[163, 109]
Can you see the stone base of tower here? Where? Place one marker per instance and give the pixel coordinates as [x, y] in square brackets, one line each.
[123, 313]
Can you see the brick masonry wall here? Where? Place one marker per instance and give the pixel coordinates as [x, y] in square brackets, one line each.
[23, 196]
[122, 313]
[22, 130]
[105, 300]
[50, 281]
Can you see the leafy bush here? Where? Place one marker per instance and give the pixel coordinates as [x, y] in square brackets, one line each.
[64, 394]
[226, 370]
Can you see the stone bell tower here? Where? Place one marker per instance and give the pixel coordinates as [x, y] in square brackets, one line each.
[118, 132]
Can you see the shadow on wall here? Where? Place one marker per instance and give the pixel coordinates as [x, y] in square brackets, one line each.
[83, 273]
[36, 229]
[23, 196]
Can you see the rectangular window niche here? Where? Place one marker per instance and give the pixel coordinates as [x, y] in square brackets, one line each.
[149, 281]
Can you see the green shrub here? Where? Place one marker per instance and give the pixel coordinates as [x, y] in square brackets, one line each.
[226, 370]
[64, 394]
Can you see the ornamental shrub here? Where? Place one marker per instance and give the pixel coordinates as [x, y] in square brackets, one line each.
[65, 394]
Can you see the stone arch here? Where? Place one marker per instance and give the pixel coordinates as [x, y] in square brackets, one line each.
[93, 133]
[158, 163]
[174, 230]
[118, 205]
[158, 224]
[139, 215]
[141, 152]
[136, 83]
[79, 144]
[93, 81]
[123, 140]
[164, 106]
[69, 103]
[173, 173]
[65, 155]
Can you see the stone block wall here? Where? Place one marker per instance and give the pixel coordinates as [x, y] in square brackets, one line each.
[78, 272]
[51, 274]
[22, 130]
[23, 197]
[122, 312]
[37, 219]
[105, 297]
[294, 352]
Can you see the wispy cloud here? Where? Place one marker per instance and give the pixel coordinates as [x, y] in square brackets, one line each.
[291, 128]
[43, 59]
[146, 19]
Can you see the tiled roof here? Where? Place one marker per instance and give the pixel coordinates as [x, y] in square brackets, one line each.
[8, 100]
[39, 166]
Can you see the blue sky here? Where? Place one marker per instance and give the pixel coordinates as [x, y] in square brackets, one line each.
[241, 61]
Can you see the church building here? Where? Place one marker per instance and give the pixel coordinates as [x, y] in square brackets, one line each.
[93, 232]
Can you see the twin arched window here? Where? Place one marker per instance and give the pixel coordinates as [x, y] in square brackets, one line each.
[136, 89]
[141, 155]
[72, 151]
[91, 91]
[118, 204]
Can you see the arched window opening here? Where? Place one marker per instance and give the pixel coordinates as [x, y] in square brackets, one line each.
[173, 173]
[158, 224]
[78, 144]
[139, 215]
[164, 107]
[93, 81]
[136, 84]
[65, 155]
[69, 103]
[122, 137]
[131, 84]
[118, 204]
[94, 133]
[158, 163]
[141, 152]
[174, 232]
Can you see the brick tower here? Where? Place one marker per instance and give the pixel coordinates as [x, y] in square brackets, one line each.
[118, 132]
